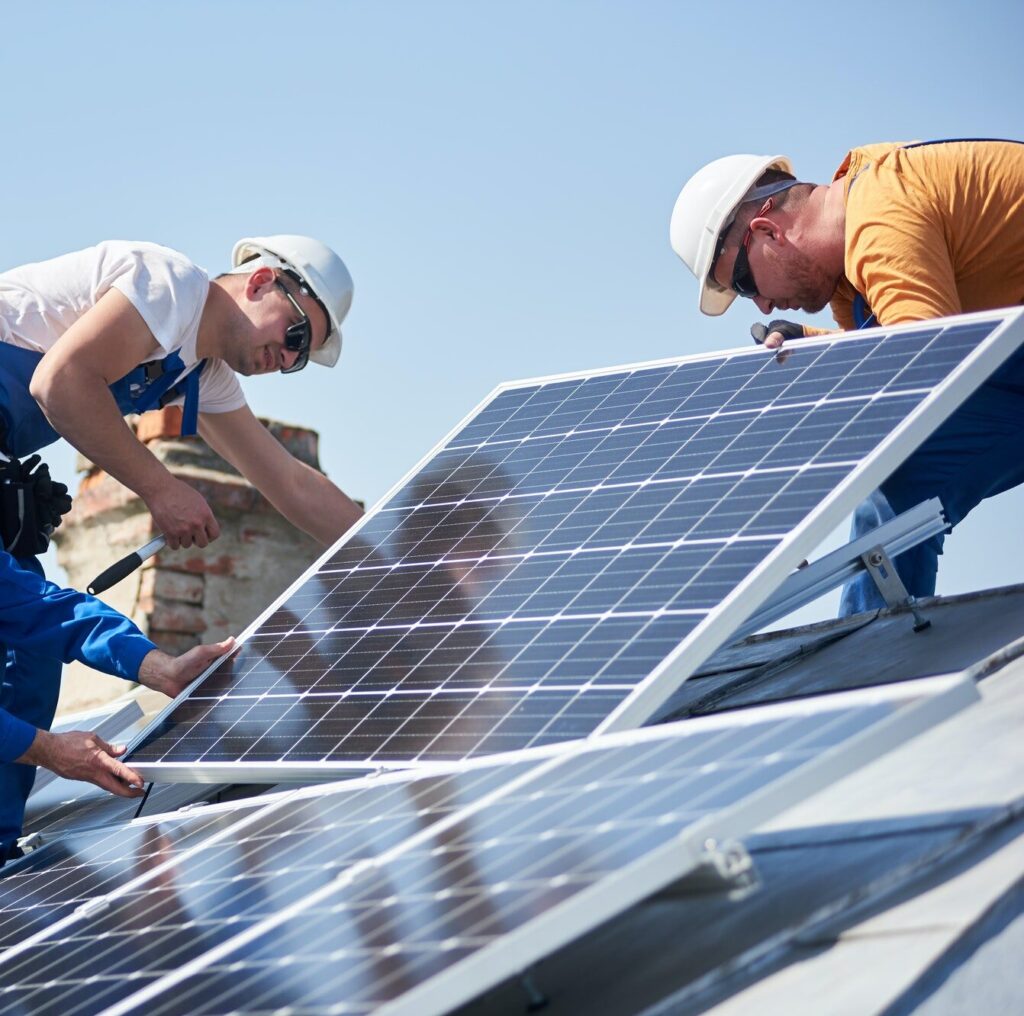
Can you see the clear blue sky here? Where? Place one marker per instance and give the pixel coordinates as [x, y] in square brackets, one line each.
[498, 177]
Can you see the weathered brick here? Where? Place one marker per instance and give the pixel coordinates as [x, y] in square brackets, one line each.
[159, 423]
[200, 562]
[175, 617]
[170, 586]
[174, 643]
[179, 587]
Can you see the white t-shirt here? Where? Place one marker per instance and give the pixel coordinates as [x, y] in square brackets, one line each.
[41, 301]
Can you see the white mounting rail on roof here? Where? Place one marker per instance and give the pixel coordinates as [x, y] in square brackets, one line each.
[805, 585]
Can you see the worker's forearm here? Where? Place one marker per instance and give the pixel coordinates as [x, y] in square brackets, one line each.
[81, 409]
[317, 506]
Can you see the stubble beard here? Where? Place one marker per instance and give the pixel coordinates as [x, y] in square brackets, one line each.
[813, 287]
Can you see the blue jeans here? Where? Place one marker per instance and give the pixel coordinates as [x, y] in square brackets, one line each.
[977, 453]
[29, 689]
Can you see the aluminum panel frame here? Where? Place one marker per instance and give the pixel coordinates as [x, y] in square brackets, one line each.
[751, 593]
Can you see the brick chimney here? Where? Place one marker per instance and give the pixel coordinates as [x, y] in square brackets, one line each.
[181, 598]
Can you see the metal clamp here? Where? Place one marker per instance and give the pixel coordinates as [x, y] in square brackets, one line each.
[31, 842]
[725, 867]
[806, 584]
[883, 573]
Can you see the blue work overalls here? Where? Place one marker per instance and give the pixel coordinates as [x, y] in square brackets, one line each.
[977, 453]
[31, 681]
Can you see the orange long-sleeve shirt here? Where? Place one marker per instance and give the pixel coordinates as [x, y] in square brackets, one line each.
[932, 231]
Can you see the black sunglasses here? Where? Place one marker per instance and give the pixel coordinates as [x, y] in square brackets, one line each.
[298, 337]
[742, 277]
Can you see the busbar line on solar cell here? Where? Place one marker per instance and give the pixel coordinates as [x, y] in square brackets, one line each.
[522, 596]
[487, 890]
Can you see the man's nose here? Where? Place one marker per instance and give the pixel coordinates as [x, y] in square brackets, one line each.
[288, 357]
[764, 305]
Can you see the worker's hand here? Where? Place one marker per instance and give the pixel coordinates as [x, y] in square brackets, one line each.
[773, 334]
[171, 675]
[182, 515]
[82, 755]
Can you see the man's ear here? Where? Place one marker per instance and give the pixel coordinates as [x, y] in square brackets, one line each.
[260, 279]
[768, 230]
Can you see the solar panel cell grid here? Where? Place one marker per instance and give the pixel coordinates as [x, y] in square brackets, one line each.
[560, 544]
[51, 882]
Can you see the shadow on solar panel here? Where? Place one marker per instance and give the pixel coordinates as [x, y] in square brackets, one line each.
[570, 554]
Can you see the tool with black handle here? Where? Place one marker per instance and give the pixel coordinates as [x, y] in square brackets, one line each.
[123, 568]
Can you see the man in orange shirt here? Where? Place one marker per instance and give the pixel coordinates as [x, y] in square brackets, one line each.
[902, 233]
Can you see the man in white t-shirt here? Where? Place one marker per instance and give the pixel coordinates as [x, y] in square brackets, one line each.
[86, 321]
[124, 327]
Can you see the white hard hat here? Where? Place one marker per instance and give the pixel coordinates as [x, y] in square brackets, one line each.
[320, 268]
[705, 207]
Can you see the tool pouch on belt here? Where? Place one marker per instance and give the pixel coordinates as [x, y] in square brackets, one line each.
[31, 506]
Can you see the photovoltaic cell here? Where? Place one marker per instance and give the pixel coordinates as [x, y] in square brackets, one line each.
[572, 537]
[414, 892]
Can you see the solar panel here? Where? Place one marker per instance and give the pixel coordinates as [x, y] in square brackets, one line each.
[414, 892]
[47, 885]
[570, 554]
[184, 902]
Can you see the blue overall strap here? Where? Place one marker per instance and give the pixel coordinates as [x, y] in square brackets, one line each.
[23, 426]
[144, 389]
[190, 411]
[862, 316]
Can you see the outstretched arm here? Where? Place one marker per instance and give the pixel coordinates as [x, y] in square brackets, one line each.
[38, 615]
[71, 386]
[83, 754]
[301, 494]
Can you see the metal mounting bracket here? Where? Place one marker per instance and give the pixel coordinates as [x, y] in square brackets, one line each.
[883, 573]
[806, 584]
[726, 867]
[31, 842]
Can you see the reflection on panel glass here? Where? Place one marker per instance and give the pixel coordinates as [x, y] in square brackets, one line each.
[49, 883]
[206, 896]
[552, 554]
[513, 860]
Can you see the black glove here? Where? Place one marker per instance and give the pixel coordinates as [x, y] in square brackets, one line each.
[788, 329]
[31, 506]
[53, 501]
